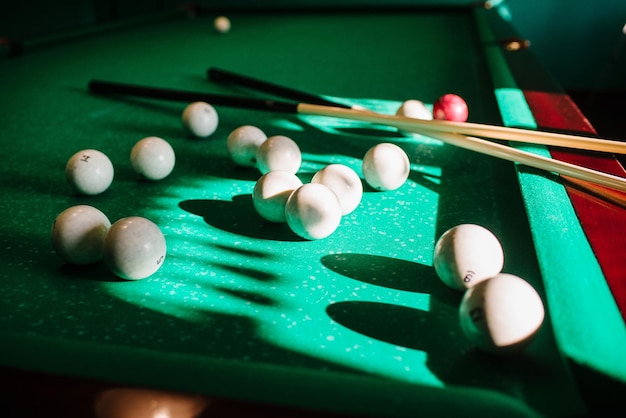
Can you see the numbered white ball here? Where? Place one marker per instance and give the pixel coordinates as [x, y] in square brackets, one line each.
[279, 153]
[153, 158]
[200, 119]
[502, 314]
[466, 255]
[78, 234]
[134, 248]
[89, 172]
[243, 143]
[271, 192]
[313, 211]
[345, 182]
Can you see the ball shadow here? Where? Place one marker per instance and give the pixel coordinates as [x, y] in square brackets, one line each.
[386, 272]
[97, 272]
[239, 217]
[436, 331]
[401, 325]
[384, 322]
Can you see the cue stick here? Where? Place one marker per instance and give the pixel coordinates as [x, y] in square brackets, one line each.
[474, 144]
[525, 135]
[115, 88]
[399, 122]
[466, 128]
[221, 75]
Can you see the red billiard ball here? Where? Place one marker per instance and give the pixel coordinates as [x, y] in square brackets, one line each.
[450, 107]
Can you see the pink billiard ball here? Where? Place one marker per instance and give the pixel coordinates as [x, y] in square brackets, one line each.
[450, 107]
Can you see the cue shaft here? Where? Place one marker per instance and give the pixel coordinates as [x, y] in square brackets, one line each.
[115, 88]
[530, 159]
[403, 123]
[218, 74]
[525, 135]
[466, 128]
[475, 144]
[475, 129]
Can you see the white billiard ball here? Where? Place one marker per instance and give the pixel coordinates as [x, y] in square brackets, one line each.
[200, 119]
[222, 24]
[345, 182]
[271, 192]
[313, 211]
[386, 166]
[415, 109]
[279, 152]
[78, 234]
[466, 255]
[134, 248]
[502, 314]
[89, 172]
[242, 144]
[153, 158]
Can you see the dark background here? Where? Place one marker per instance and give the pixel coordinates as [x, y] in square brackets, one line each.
[581, 42]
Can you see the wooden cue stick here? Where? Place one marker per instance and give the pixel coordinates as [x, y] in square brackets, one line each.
[465, 128]
[606, 194]
[474, 144]
[403, 123]
[499, 132]
[524, 135]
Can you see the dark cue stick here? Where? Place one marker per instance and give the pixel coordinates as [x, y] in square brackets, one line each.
[403, 123]
[114, 88]
[218, 74]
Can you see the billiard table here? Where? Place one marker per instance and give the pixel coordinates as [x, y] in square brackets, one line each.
[242, 309]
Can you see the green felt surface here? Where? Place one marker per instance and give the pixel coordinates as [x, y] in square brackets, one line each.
[242, 308]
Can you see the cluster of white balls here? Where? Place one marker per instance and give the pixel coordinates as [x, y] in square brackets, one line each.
[91, 172]
[133, 247]
[313, 210]
[499, 312]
